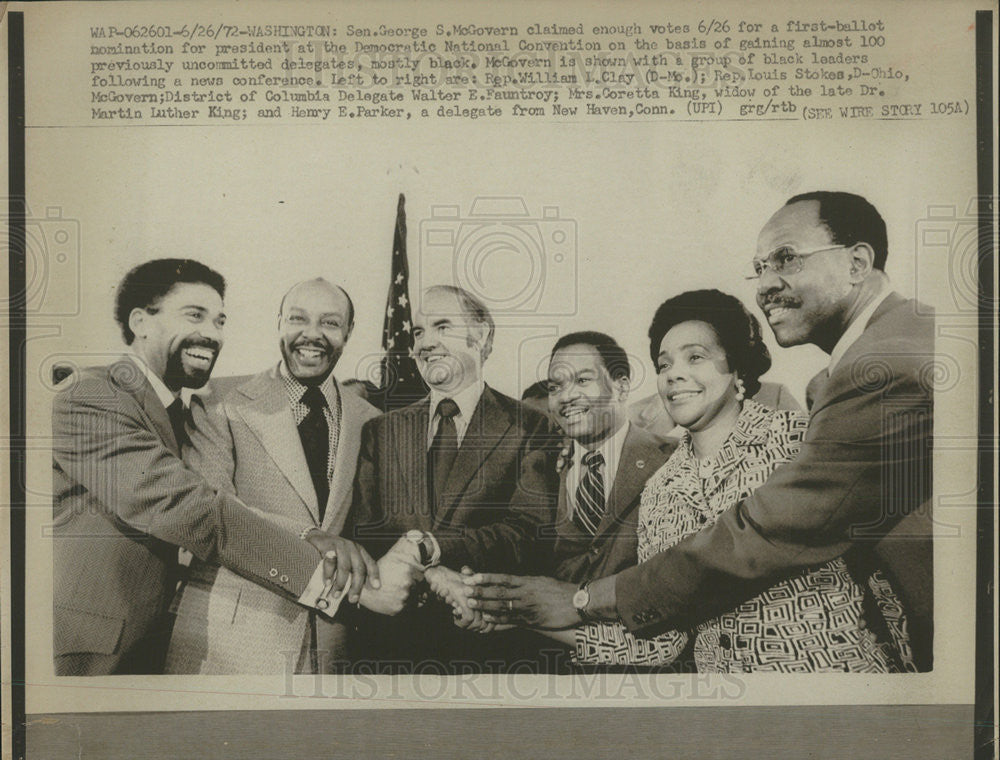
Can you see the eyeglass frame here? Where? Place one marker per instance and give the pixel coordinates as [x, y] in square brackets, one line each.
[797, 256]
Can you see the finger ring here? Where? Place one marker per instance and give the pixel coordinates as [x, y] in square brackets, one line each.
[510, 605]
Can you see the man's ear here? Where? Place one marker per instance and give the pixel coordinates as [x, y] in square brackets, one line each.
[622, 386]
[862, 261]
[137, 322]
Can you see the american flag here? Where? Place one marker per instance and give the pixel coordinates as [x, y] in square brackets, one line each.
[401, 382]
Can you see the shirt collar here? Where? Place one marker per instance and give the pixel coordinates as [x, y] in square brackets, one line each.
[166, 396]
[467, 399]
[856, 327]
[610, 449]
[328, 387]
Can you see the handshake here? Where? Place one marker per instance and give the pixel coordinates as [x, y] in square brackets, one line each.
[386, 587]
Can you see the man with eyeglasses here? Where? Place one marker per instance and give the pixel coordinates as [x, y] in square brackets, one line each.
[861, 485]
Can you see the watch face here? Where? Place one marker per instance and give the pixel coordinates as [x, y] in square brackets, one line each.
[581, 599]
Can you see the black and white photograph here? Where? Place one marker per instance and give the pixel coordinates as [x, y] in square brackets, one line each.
[534, 378]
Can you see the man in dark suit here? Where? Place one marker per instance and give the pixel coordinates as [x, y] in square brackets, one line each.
[595, 530]
[123, 500]
[444, 472]
[861, 485]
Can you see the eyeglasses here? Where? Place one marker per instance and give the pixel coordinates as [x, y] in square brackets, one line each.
[785, 260]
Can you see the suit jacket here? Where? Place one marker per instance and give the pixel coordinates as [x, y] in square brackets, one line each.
[579, 556]
[247, 443]
[123, 501]
[497, 499]
[650, 414]
[861, 484]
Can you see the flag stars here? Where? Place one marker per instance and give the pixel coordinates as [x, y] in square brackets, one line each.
[389, 312]
[402, 300]
[406, 325]
[399, 278]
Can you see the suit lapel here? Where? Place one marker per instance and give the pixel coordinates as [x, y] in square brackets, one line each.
[636, 464]
[158, 415]
[269, 416]
[815, 388]
[562, 506]
[348, 444]
[135, 383]
[487, 429]
[826, 385]
[408, 430]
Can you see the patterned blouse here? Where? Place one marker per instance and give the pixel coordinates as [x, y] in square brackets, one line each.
[810, 623]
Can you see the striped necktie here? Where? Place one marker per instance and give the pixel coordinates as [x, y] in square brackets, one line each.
[590, 494]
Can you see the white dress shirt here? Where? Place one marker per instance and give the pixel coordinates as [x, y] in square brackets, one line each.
[855, 328]
[611, 449]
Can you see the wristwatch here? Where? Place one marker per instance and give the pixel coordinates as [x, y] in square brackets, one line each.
[425, 546]
[581, 600]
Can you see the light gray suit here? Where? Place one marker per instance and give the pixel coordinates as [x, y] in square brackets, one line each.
[123, 501]
[247, 442]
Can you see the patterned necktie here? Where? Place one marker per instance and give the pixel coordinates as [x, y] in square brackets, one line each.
[444, 448]
[176, 414]
[315, 434]
[590, 494]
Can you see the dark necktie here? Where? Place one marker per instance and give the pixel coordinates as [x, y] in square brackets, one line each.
[590, 494]
[444, 448]
[176, 414]
[315, 434]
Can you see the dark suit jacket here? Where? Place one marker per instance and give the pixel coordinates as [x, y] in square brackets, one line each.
[475, 521]
[123, 502]
[860, 484]
[497, 499]
[579, 556]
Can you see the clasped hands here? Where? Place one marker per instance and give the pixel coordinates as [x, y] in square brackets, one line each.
[488, 602]
[383, 587]
[481, 602]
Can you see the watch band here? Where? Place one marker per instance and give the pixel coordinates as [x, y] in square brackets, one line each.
[581, 609]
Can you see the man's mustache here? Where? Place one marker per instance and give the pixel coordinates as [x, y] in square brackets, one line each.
[778, 300]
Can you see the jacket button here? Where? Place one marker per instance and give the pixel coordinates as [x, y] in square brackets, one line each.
[283, 579]
[273, 572]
